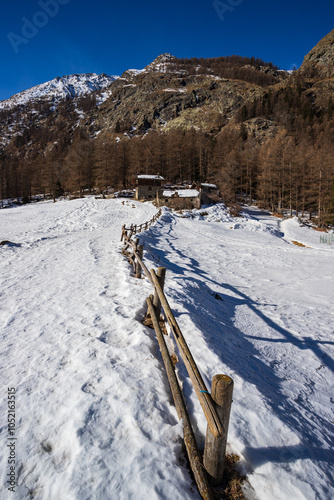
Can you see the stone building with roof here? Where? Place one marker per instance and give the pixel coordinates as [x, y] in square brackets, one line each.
[147, 187]
[209, 193]
[154, 188]
[179, 199]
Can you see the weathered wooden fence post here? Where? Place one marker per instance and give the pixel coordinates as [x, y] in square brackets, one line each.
[161, 274]
[188, 434]
[134, 256]
[215, 449]
[123, 231]
[140, 251]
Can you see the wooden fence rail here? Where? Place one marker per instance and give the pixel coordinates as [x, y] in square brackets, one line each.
[216, 406]
[134, 229]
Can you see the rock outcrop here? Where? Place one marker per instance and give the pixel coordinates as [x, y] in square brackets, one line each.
[320, 60]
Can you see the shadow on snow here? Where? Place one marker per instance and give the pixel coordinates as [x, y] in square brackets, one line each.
[233, 347]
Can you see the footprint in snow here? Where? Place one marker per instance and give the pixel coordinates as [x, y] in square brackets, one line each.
[89, 388]
[46, 447]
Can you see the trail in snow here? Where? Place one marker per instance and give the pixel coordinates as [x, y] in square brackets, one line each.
[94, 412]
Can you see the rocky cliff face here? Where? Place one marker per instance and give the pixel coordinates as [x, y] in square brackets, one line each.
[321, 57]
[161, 101]
[317, 72]
[170, 93]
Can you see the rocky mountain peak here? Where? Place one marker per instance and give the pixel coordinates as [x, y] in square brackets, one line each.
[161, 63]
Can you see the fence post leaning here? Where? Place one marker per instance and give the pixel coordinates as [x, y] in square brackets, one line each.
[215, 448]
[188, 435]
[161, 274]
[135, 260]
[140, 251]
[204, 397]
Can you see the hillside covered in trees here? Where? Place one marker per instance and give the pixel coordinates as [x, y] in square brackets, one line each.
[257, 132]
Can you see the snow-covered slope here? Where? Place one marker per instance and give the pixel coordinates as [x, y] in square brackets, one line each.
[94, 418]
[78, 85]
[61, 88]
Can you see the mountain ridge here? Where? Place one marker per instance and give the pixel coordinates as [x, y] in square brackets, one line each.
[32, 107]
[233, 121]
[74, 85]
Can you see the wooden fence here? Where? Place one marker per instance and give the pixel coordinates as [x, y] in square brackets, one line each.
[208, 470]
[134, 229]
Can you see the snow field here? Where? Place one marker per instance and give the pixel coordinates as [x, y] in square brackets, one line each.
[93, 412]
[95, 418]
[272, 331]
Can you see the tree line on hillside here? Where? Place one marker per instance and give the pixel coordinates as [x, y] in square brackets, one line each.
[293, 170]
[250, 70]
[294, 107]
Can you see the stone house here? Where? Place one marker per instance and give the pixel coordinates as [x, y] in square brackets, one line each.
[209, 193]
[179, 199]
[147, 187]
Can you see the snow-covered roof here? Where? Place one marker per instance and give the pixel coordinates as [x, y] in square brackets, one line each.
[156, 177]
[182, 193]
[213, 186]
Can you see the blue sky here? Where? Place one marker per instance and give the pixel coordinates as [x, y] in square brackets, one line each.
[42, 39]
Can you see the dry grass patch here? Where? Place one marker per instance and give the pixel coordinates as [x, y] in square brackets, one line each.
[233, 480]
[299, 244]
[234, 210]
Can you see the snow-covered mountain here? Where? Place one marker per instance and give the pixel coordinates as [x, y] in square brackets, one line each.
[60, 88]
[78, 85]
